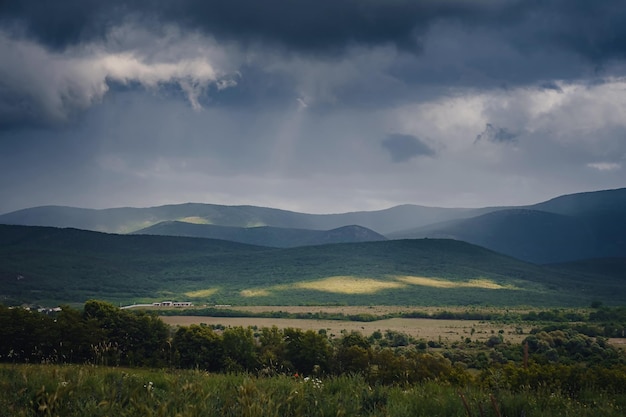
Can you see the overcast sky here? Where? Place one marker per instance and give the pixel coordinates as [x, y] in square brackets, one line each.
[309, 105]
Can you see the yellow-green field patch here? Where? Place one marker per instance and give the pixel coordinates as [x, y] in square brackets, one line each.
[251, 225]
[349, 285]
[255, 293]
[201, 293]
[133, 227]
[444, 283]
[195, 220]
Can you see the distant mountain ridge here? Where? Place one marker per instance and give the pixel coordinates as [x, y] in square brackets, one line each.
[128, 220]
[265, 235]
[566, 228]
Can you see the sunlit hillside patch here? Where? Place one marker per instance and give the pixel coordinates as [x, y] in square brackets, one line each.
[201, 293]
[349, 285]
[195, 220]
[444, 283]
[132, 227]
[251, 225]
[255, 293]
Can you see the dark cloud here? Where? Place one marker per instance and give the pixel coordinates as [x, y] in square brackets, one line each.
[593, 29]
[551, 85]
[61, 23]
[496, 134]
[299, 24]
[403, 148]
[301, 47]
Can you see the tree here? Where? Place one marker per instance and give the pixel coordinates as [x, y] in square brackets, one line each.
[307, 350]
[198, 347]
[272, 349]
[239, 349]
[354, 353]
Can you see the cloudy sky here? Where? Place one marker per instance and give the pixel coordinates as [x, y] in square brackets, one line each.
[309, 105]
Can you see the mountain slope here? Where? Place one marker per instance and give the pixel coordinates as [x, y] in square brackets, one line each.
[603, 213]
[530, 235]
[126, 220]
[614, 268]
[580, 204]
[568, 228]
[264, 235]
[48, 265]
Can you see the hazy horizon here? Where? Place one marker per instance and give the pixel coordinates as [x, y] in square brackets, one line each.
[305, 212]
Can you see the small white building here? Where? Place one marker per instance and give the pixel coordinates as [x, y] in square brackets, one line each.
[182, 304]
[173, 304]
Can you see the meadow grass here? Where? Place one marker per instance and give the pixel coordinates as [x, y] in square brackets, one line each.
[53, 390]
[444, 283]
[202, 293]
[194, 220]
[349, 285]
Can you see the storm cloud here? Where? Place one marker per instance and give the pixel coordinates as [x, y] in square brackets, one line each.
[403, 148]
[594, 29]
[291, 104]
[299, 24]
[496, 134]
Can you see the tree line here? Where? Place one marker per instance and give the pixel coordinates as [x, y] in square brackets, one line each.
[102, 334]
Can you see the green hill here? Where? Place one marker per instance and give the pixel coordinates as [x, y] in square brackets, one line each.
[265, 235]
[48, 265]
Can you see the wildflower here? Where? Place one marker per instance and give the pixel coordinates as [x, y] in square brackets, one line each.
[316, 382]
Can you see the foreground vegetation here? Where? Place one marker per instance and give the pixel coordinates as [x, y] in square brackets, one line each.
[53, 390]
[104, 361]
[103, 334]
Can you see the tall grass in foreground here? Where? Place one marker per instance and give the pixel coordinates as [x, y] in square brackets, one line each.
[66, 391]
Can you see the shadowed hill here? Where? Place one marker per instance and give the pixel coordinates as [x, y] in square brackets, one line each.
[580, 204]
[530, 235]
[127, 220]
[568, 228]
[66, 265]
[265, 235]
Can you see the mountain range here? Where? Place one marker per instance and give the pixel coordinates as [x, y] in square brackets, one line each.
[278, 237]
[567, 228]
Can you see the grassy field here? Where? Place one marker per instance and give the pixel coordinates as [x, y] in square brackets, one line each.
[78, 391]
[380, 310]
[419, 328]
[471, 368]
[427, 329]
